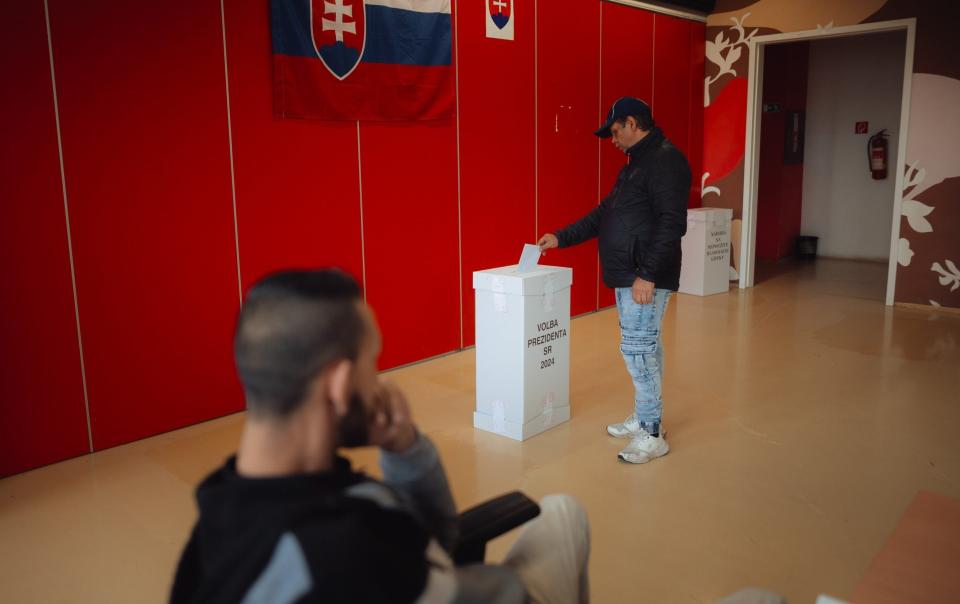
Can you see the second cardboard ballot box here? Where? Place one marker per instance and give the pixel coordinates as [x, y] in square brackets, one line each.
[706, 252]
[523, 349]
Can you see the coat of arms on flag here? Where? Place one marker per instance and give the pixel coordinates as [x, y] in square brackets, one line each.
[338, 33]
[376, 60]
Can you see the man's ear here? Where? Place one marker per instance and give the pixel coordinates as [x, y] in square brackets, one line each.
[631, 121]
[337, 385]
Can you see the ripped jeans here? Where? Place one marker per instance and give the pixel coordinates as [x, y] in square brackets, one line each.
[642, 347]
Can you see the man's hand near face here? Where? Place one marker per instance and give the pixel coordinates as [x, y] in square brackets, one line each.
[391, 426]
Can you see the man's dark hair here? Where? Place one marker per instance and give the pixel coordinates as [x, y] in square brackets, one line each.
[292, 325]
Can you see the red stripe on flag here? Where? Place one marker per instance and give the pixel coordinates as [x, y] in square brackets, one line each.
[304, 88]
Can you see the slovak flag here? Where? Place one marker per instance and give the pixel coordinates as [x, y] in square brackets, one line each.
[373, 60]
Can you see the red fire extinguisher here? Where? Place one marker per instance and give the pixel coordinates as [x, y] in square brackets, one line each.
[877, 155]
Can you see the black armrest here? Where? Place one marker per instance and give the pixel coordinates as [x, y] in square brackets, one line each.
[489, 520]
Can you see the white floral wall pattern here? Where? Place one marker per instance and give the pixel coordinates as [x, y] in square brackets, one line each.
[949, 276]
[915, 211]
[933, 156]
[904, 253]
[934, 139]
[724, 53]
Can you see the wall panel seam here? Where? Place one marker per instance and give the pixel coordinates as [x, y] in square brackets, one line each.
[233, 179]
[66, 214]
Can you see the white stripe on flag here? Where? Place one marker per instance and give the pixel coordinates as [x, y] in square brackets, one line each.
[419, 6]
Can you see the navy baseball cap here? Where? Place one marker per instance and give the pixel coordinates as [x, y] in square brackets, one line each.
[621, 108]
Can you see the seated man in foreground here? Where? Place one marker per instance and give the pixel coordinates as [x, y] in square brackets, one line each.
[287, 520]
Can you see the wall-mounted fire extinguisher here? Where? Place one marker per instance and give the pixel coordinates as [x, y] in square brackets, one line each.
[877, 154]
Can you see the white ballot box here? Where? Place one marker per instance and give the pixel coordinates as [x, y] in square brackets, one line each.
[706, 252]
[523, 349]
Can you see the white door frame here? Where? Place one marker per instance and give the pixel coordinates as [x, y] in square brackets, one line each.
[751, 158]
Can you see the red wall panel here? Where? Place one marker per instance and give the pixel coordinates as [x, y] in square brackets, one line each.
[671, 79]
[697, 45]
[626, 69]
[144, 125]
[496, 111]
[42, 416]
[410, 236]
[297, 185]
[568, 109]
[147, 160]
[768, 186]
[796, 91]
[779, 185]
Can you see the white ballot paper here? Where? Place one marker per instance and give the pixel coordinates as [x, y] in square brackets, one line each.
[529, 258]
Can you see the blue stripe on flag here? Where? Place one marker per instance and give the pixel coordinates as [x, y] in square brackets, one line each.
[404, 37]
[290, 23]
[394, 36]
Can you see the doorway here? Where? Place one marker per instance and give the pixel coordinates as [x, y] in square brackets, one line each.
[826, 187]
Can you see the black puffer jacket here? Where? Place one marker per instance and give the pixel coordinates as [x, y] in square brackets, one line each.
[640, 223]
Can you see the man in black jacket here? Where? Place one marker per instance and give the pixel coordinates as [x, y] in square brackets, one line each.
[639, 226]
[287, 520]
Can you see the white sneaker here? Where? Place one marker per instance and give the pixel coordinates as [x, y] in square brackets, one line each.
[627, 429]
[644, 447]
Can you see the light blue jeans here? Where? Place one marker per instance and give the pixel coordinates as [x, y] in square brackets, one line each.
[642, 347]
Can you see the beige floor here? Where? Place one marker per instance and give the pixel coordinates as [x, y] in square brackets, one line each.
[803, 416]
